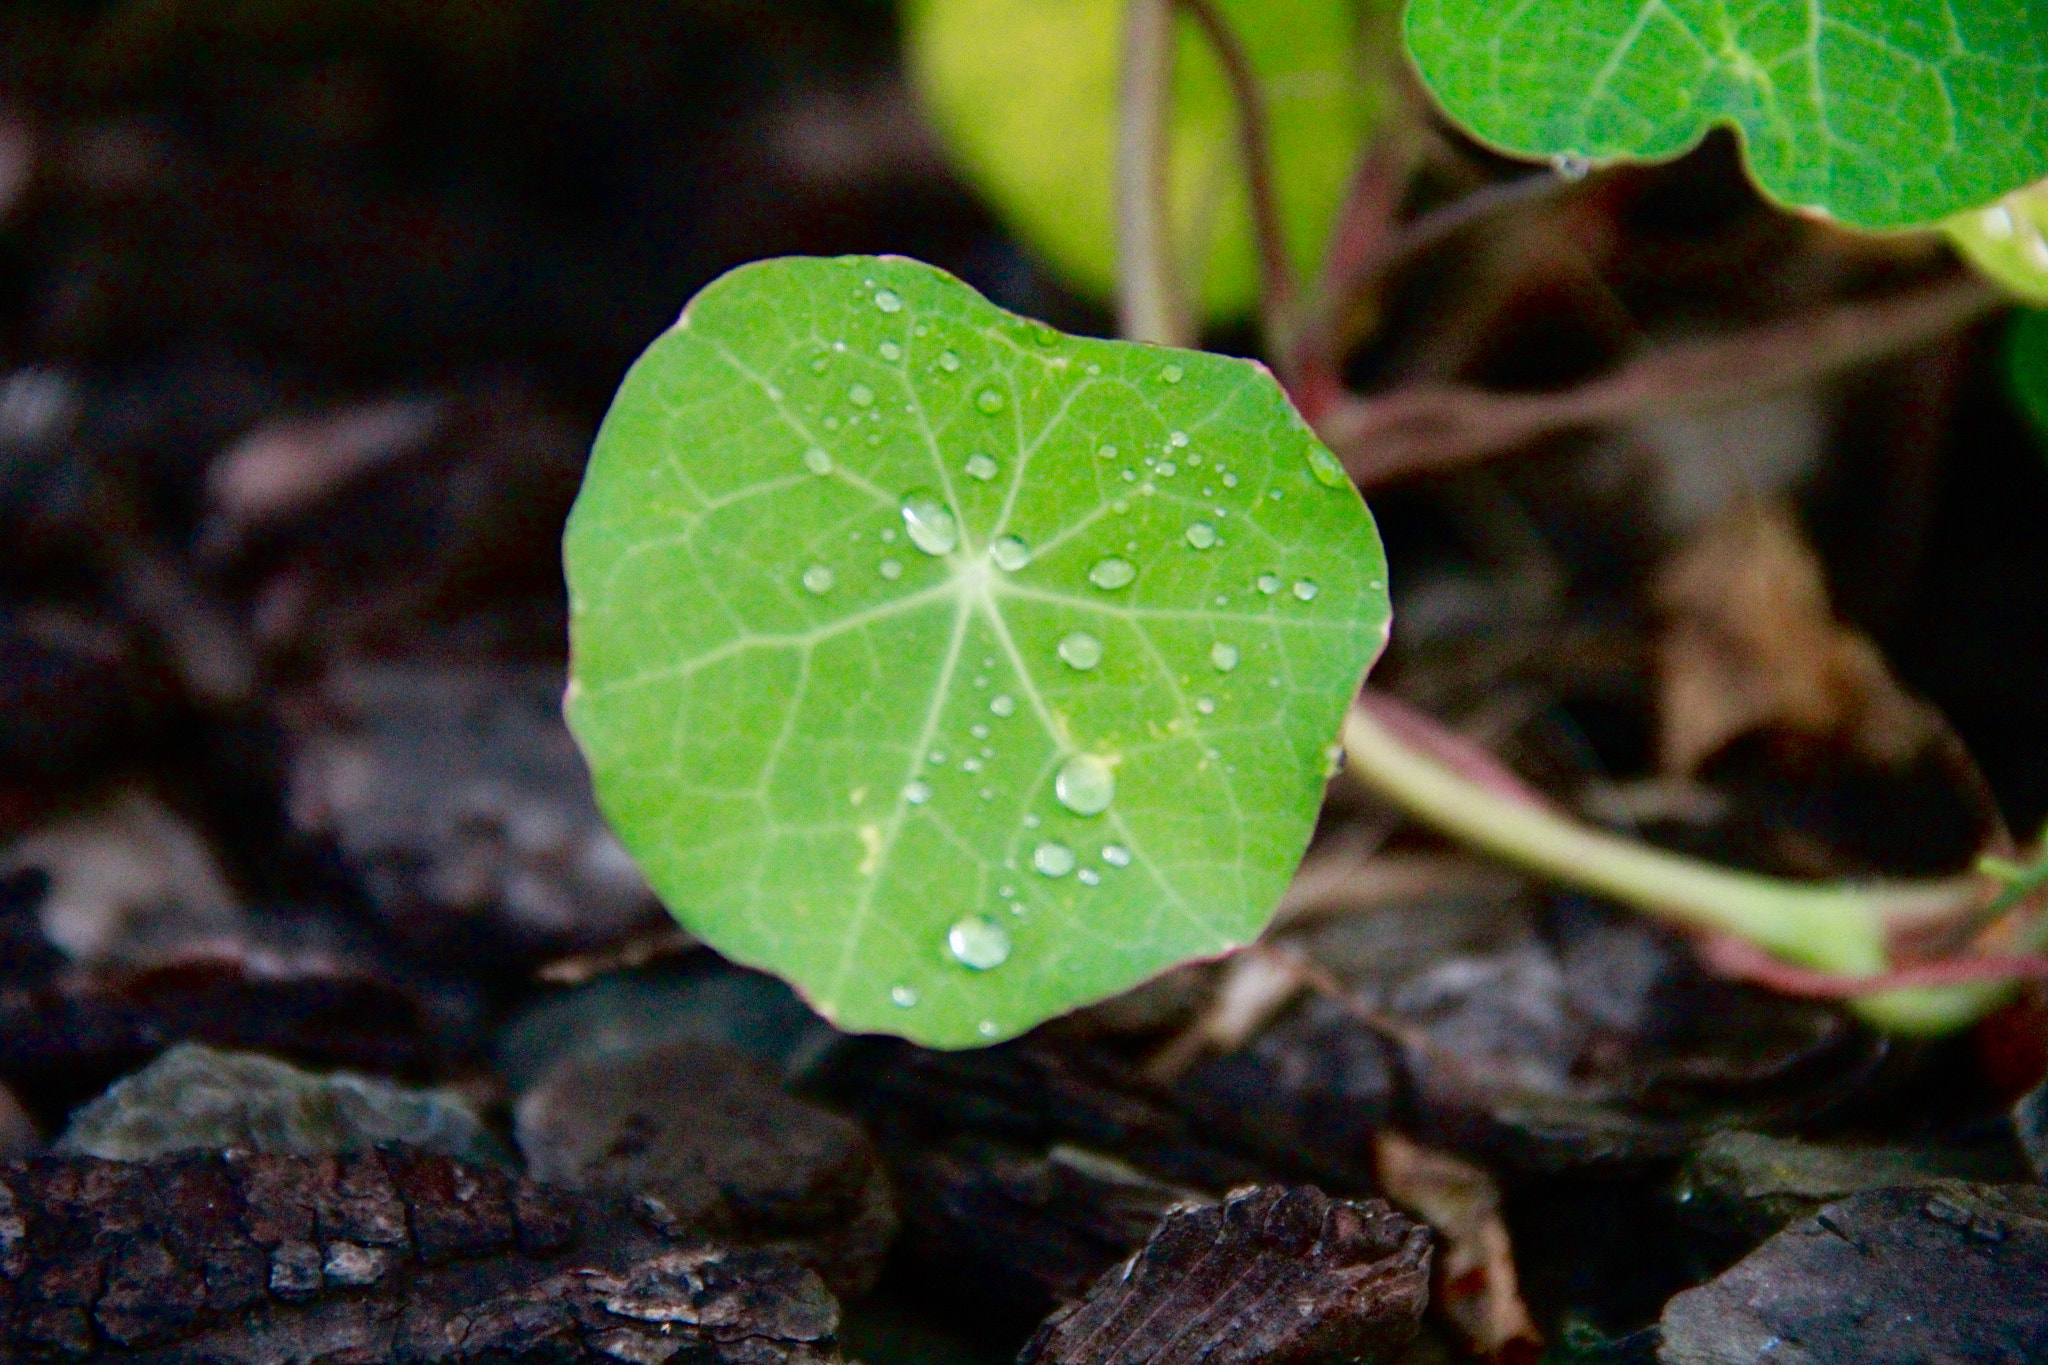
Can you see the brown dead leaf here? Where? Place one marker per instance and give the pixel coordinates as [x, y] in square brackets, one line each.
[1750, 642]
[1476, 1286]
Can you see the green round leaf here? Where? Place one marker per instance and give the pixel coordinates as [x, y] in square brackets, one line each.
[958, 671]
[1025, 94]
[1882, 113]
[2008, 241]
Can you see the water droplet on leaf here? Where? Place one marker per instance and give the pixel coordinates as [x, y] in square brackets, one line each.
[948, 361]
[1201, 535]
[917, 792]
[902, 996]
[990, 401]
[1305, 589]
[860, 395]
[1053, 859]
[1171, 374]
[1085, 785]
[890, 351]
[888, 301]
[1116, 855]
[1079, 649]
[818, 579]
[979, 943]
[930, 523]
[1003, 704]
[890, 570]
[1324, 466]
[1110, 573]
[818, 460]
[1224, 655]
[1009, 553]
[1177, 440]
[981, 466]
[1206, 705]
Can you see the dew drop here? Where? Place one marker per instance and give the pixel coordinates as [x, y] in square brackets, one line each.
[1178, 440]
[917, 792]
[1171, 374]
[948, 361]
[1009, 553]
[831, 424]
[818, 579]
[930, 523]
[1111, 572]
[978, 730]
[1052, 858]
[1305, 589]
[1085, 785]
[890, 351]
[1079, 649]
[986, 1028]
[1571, 166]
[981, 466]
[1116, 855]
[903, 997]
[1269, 583]
[991, 401]
[1230, 480]
[888, 301]
[1105, 452]
[818, 365]
[860, 395]
[1206, 705]
[979, 943]
[1324, 466]
[1167, 469]
[818, 460]
[890, 570]
[1003, 704]
[1224, 655]
[1201, 535]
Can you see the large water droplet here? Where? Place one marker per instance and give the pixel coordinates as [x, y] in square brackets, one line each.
[1079, 649]
[860, 395]
[1224, 655]
[1009, 553]
[818, 579]
[1085, 784]
[888, 301]
[1116, 855]
[1053, 858]
[981, 466]
[1201, 535]
[1324, 466]
[979, 943]
[1171, 374]
[990, 401]
[917, 792]
[818, 460]
[903, 996]
[948, 361]
[1269, 583]
[930, 523]
[890, 569]
[1110, 573]
[1305, 589]
[1003, 704]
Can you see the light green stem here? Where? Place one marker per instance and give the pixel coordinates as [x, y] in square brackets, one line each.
[1148, 296]
[1838, 928]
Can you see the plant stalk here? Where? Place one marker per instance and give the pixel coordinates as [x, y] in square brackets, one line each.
[1149, 303]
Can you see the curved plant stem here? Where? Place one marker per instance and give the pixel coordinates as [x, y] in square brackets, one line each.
[1834, 928]
[1277, 290]
[1149, 304]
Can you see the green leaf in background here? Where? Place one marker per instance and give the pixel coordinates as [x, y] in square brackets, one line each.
[2026, 365]
[958, 671]
[2008, 241]
[1881, 113]
[1025, 94]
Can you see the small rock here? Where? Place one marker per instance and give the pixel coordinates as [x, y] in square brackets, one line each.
[705, 1139]
[1749, 1185]
[197, 1097]
[1271, 1276]
[1948, 1272]
[394, 1255]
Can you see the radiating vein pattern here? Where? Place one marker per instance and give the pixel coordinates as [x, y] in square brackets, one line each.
[957, 670]
[1883, 113]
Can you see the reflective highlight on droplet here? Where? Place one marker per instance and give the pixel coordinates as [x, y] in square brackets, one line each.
[930, 523]
[1085, 785]
[818, 579]
[978, 943]
[1053, 859]
[1116, 855]
[1080, 650]
[1305, 589]
[902, 996]
[1009, 553]
[981, 466]
[1224, 655]
[1112, 572]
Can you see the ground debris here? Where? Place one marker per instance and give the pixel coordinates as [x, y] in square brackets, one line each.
[1951, 1272]
[1271, 1276]
[394, 1255]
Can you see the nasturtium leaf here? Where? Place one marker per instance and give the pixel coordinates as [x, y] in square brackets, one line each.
[2026, 366]
[1024, 93]
[2008, 241]
[957, 670]
[1881, 113]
